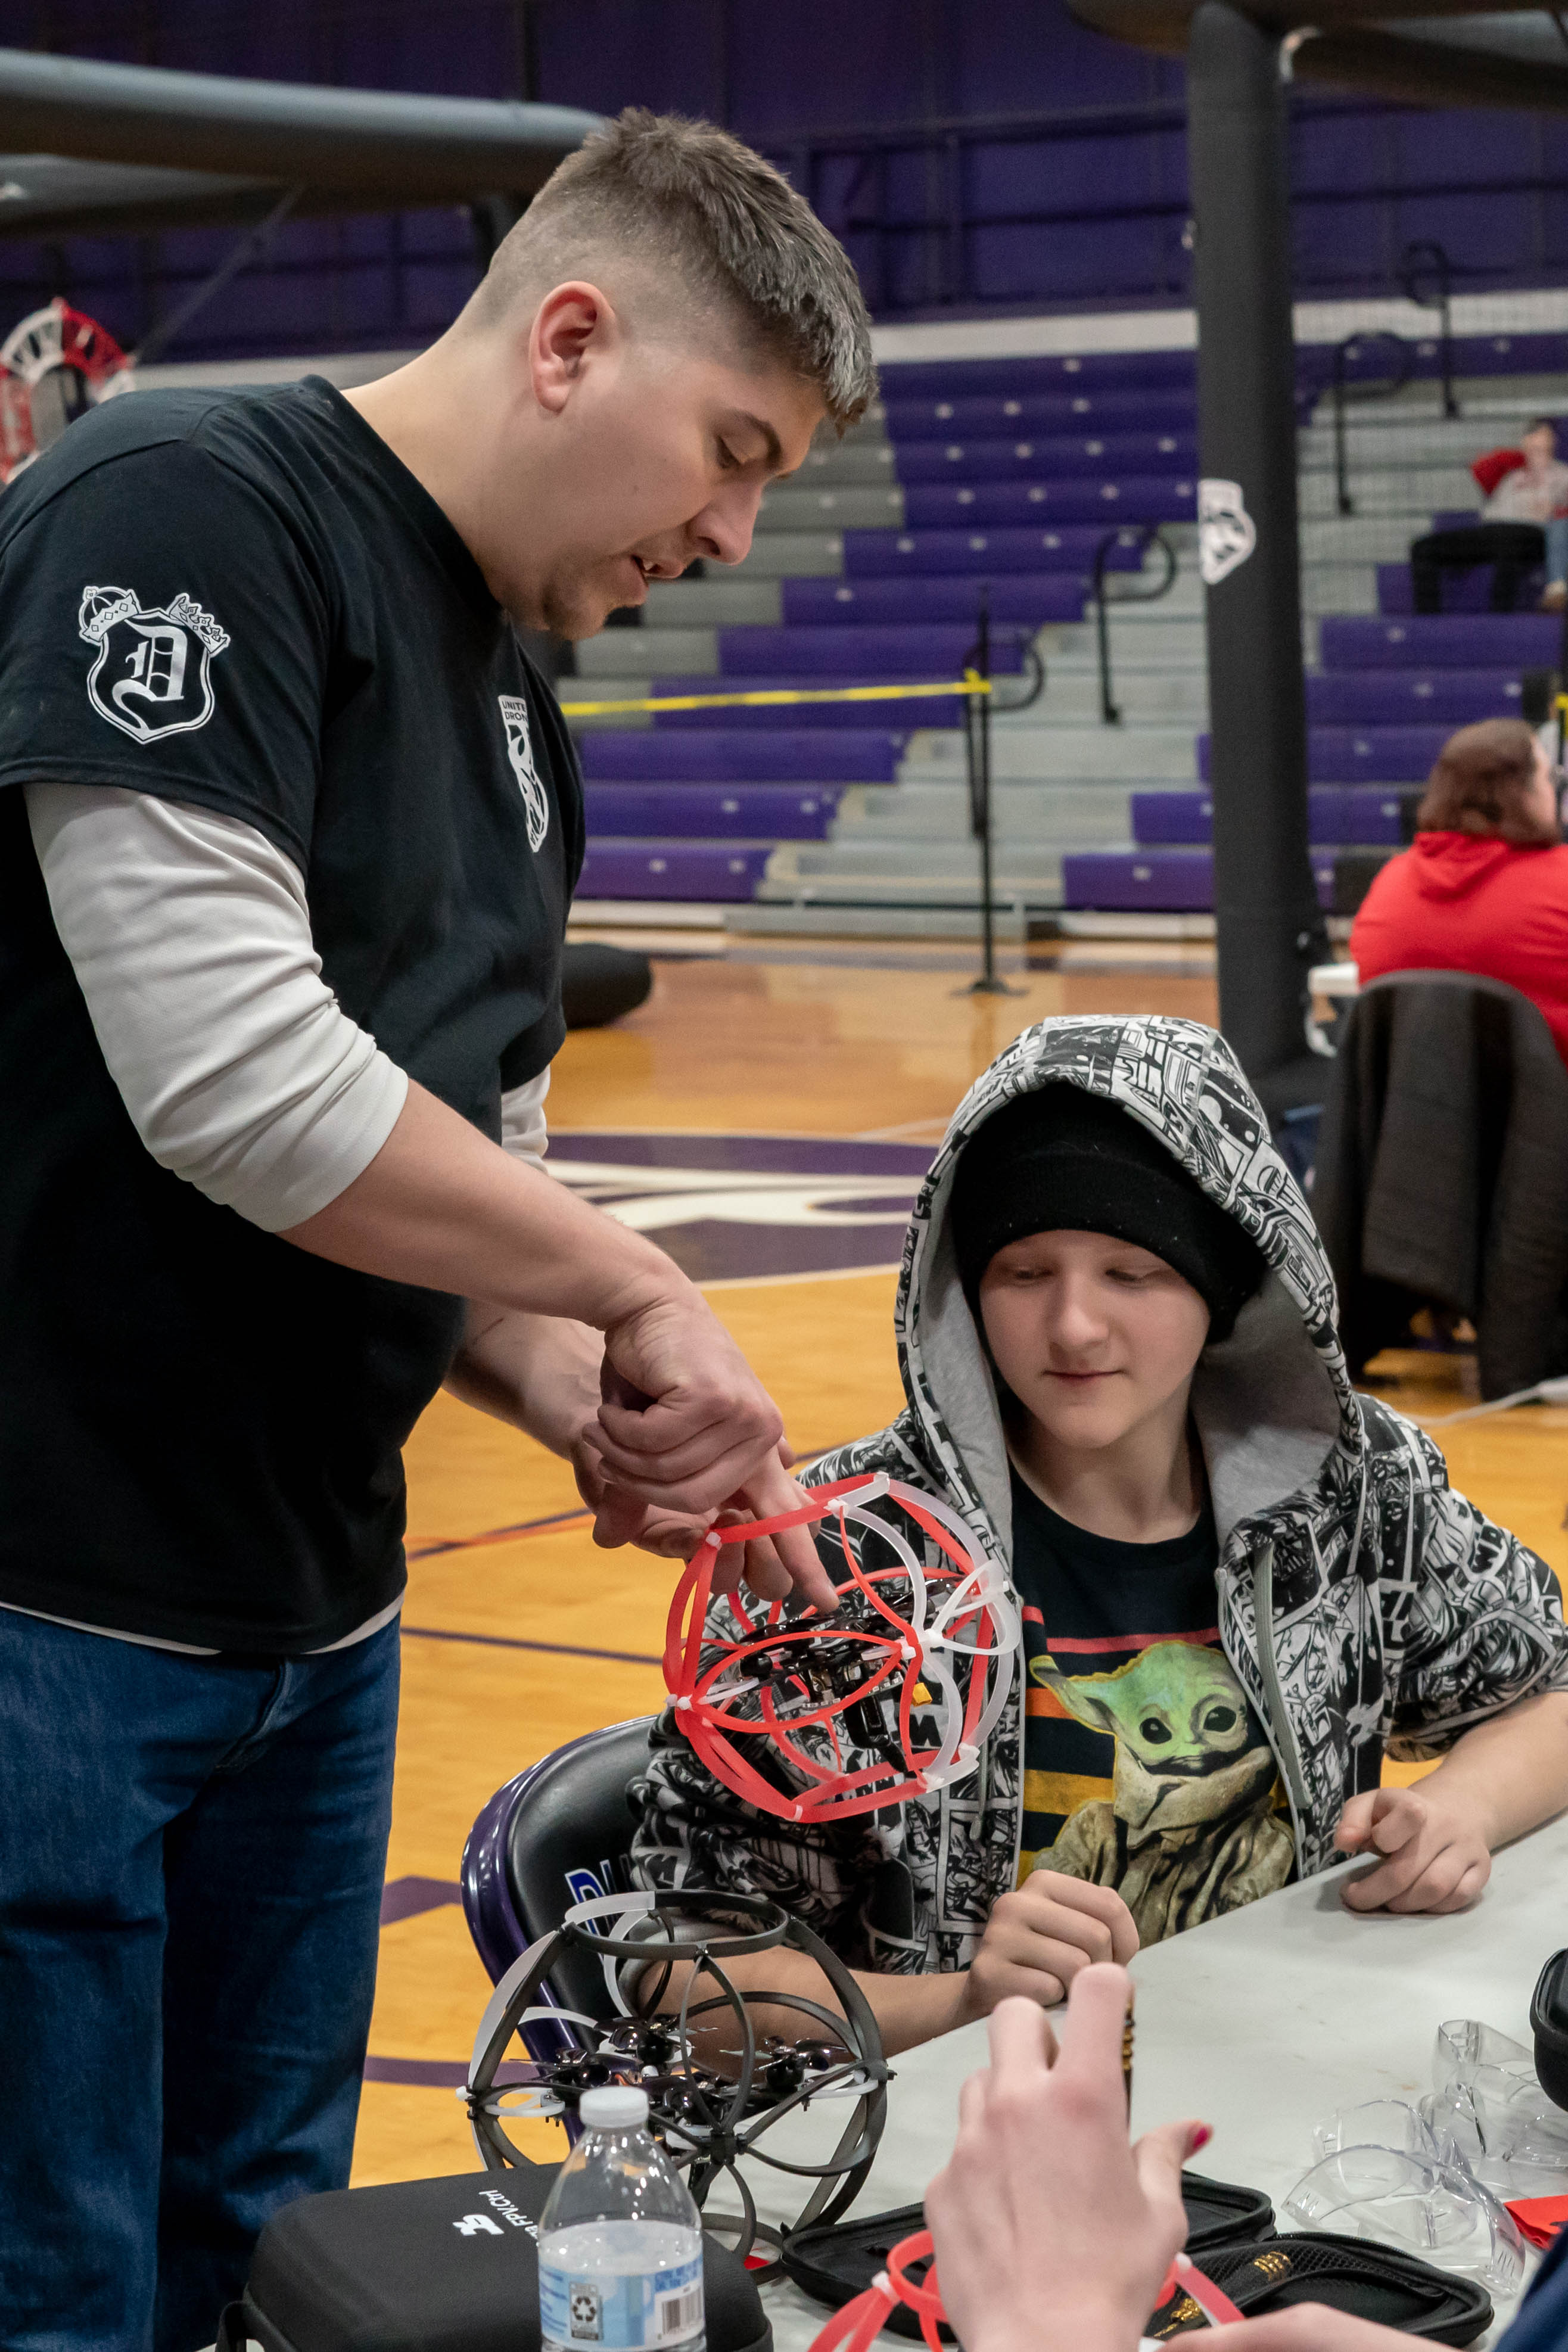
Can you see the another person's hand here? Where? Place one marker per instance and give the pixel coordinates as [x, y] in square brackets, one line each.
[1052, 2234]
[1312, 2328]
[1439, 1856]
[1040, 1936]
[621, 1518]
[685, 1427]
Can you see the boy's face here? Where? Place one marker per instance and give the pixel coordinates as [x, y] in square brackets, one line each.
[1539, 446]
[1093, 1336]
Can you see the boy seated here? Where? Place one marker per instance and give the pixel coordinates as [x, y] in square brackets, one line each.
[1242, 1583]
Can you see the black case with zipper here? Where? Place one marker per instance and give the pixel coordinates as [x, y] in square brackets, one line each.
[433, 2266]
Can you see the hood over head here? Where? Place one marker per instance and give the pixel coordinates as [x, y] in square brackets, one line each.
[1446, 864]
[1270, 1401]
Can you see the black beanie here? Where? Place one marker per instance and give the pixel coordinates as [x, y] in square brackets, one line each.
[1061, 1161]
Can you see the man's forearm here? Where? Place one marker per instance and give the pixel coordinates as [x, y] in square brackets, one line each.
[1513, 1767]
[443, 1207]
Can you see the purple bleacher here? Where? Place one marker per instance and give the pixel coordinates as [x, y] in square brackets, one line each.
[919, 554]
[1138, 498]
[1442, 640]
[1144, 411]
[1373, 819]
[1385, 755]
[1166, 820]
[708, 812]
[1098, 456]
[922, 649]
[1027, 598]
[672, 869]
[1019, 379]
[1337, 814]
[1461, 588]
[851, 754]
[1157, 881]
[1351, 755]
[1164, 881]
[1538, 354]
[1404, 698]
[895, 711]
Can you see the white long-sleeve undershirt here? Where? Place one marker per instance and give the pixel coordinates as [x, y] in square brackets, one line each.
[189, 936]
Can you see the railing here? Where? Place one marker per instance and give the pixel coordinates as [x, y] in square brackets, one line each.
[1142, 535]
[1426, 254]
[1376, 389]
[977, 711]
[1426, 278]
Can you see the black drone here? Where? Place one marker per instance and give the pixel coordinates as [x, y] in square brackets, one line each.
[715, 2086]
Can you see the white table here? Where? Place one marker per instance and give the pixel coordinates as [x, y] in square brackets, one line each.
[1263, 2023]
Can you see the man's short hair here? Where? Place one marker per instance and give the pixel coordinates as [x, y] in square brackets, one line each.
[1540, 425]
[688, 195]
[1481, 785]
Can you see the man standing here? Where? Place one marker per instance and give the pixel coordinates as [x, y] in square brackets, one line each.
[282, 893]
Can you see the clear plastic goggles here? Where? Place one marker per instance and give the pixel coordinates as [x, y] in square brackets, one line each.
[1409, 2196]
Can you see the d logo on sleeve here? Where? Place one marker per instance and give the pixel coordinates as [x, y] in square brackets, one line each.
[520, 751]
[150, 677]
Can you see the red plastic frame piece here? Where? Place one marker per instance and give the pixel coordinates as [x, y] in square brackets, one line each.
[853, 2328]
[964, 1619]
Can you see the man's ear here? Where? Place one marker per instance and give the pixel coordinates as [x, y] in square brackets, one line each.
[570, 321]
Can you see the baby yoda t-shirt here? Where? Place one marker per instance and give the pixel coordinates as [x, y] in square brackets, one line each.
[1144, 1767]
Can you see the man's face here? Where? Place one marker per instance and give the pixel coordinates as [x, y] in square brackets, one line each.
[1093, 1336]
[660, 448]
[1539, 446]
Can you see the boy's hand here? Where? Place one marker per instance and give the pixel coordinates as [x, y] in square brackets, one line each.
[1438, 1857]
[1052, 2234]
[1039, 1937]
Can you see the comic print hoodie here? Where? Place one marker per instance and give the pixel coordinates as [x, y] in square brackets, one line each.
[1361, 1603]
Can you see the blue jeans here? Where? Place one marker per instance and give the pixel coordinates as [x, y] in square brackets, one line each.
[191, 1852]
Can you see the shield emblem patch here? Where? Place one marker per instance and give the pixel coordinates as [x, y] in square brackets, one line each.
[520, 751]
[151, 675]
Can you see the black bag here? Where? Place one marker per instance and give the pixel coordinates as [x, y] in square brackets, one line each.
[833, 2266]
[1353, 2275]
[423, 2266]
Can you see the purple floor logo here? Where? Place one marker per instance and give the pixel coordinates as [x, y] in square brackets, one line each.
[732, 1208]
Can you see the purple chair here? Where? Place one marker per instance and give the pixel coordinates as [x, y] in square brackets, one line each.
[558, 1833]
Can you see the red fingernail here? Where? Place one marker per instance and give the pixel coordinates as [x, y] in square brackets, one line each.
[1201, 2138]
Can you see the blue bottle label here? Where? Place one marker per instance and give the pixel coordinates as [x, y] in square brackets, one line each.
[638, 2313]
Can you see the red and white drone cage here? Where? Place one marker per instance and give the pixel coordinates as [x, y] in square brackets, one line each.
[55, 337]
[944, 1637]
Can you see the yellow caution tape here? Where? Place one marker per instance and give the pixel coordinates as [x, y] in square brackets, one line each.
[970, 683]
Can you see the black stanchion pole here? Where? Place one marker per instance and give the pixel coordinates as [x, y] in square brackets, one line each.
[977, 747]
[1266, 917]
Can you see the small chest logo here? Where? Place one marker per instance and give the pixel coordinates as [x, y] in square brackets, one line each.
[150, 677]
[520, 751]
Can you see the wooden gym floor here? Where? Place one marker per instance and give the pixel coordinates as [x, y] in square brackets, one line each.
[510, 1609]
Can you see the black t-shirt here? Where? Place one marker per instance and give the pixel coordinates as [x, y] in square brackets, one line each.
[244, 602]
[1144, 1767]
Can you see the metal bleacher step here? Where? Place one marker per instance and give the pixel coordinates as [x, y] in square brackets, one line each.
[1417, 492]
[1057, 814]
[797, 505]
[659, 652]
[717, 600]
[791, 554]
[1031, 754]
[954, 916]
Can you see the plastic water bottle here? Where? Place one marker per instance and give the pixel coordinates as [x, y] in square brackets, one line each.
[620, 2246]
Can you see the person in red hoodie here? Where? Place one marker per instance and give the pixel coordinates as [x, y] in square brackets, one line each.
[1484, 887]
